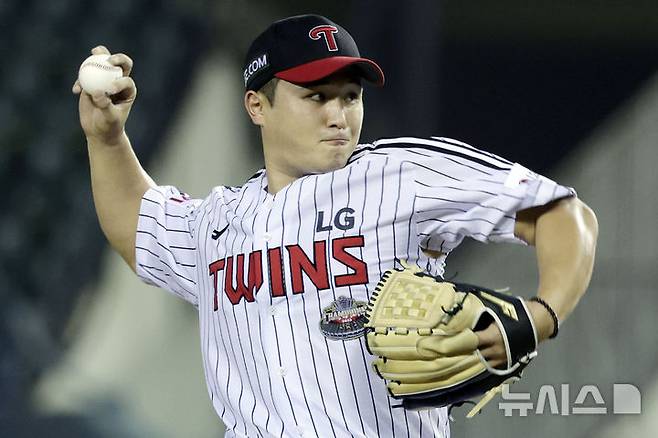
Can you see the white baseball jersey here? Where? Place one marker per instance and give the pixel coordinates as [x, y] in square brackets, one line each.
[280, 280]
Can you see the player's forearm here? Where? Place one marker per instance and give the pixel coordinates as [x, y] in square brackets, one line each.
[118, 184]
[565, 240]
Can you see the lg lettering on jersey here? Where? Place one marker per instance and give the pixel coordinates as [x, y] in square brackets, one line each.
[343, 220]
[327, 32]
[316, 268]
[254, 66]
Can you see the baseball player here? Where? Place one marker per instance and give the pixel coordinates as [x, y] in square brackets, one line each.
[280, 268]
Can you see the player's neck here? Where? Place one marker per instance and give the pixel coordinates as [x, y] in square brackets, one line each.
[277, 179]
[279, 174]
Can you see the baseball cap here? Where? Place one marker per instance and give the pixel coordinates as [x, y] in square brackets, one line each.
[305, 48]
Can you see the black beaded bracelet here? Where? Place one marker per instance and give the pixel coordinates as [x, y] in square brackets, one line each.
[556, 321]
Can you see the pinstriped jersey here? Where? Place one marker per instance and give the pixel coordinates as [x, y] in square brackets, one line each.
[278, 280]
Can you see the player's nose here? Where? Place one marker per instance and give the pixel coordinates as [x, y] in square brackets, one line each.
[335, 114]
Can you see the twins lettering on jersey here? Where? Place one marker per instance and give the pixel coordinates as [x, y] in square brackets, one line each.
[315, 266]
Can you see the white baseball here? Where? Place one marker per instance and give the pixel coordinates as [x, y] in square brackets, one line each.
[97, 74]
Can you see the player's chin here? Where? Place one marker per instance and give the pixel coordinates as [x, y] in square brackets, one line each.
[326, 165]
[337, 159]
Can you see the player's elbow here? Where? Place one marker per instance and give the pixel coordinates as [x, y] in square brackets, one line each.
[570, 227]
[575, 213]
[588, 224]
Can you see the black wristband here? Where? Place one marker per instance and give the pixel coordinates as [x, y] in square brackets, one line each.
[556, 321]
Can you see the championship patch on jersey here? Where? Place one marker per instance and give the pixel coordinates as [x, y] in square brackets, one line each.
[344, 319]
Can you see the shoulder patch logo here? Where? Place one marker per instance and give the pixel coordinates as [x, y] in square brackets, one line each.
[519, 175]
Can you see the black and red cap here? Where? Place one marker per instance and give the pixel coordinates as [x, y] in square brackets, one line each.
[303, 49]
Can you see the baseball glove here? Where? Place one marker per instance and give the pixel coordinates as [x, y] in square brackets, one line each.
[422, 329]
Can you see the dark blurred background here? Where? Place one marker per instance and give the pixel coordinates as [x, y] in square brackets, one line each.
[526, 80]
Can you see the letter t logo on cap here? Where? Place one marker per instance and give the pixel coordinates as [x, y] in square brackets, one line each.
[327, 32]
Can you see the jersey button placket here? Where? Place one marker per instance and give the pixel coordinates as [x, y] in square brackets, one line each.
[268, 201]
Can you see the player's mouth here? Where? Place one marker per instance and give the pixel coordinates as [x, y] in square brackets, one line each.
[337, 141]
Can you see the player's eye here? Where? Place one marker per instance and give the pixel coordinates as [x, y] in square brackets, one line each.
[352, 97]
[317, 97]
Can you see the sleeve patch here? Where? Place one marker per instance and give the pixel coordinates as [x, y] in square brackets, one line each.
[519, 175]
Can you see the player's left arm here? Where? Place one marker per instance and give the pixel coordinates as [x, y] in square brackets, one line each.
[564, 234]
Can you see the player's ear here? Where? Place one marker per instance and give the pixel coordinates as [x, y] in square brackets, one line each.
[254, 104]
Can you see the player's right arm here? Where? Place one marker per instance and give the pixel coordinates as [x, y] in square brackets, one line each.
[118, 180]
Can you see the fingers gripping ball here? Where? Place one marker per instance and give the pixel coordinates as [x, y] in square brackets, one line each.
[422, 330]
[96, 74]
